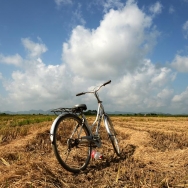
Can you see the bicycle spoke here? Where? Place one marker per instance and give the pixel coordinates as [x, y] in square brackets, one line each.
[70, 154]
[67, 155]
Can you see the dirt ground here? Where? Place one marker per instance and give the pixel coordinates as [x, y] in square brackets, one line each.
[155, 155]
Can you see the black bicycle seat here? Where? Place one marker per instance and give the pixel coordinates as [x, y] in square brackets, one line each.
[80, 107]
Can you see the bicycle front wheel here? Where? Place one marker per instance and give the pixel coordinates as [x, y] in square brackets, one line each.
[72, 155]
[113, 136]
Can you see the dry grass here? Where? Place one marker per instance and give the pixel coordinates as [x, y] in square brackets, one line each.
[13, 126]
[156, 155]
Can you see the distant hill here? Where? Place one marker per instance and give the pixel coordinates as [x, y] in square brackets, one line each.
[48, 112]
[30, 112]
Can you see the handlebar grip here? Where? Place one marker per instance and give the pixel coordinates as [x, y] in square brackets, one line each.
[107, 82]
[80, 94]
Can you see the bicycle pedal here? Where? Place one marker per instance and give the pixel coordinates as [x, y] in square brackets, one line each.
[96, 137]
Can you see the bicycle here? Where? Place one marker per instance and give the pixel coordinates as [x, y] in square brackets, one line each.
[73, 139]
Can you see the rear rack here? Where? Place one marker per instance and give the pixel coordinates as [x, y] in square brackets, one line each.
[61, 110]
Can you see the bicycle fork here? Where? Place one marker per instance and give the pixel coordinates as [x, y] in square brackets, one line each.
[106, 121]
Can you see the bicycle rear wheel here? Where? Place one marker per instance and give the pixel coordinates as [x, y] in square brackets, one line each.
[72, 155]
[113, 136]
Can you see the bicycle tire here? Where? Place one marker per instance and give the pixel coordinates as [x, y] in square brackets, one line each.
[77, 158]
[113, 136]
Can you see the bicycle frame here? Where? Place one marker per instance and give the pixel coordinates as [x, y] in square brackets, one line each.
[100, 115]
[73, 138]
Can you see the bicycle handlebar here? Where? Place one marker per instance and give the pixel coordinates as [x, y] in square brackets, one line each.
[107, 82]
[78, 94]
[83, 93]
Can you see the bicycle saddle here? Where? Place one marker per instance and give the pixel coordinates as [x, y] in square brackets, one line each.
[80, 107]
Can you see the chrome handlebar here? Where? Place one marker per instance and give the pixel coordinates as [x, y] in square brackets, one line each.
[95, 90]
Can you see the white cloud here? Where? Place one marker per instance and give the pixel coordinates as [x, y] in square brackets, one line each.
[183, 97]
[60, 2]
[116, 50]
[118, 45]
[77, 16]
[145, 89]
[180, 102]
[38, 85]
[185, 29]
[156, 8]
[180, 63]
[34, 49]
[171, 9]
[111, 4]
[165, 94]
[11, 60]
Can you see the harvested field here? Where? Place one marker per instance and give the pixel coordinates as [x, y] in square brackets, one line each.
[155, 148]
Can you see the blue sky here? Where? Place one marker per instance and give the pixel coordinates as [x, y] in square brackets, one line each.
[52, 49]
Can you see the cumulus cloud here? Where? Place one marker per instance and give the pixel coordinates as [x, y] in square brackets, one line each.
[109, 4]
[118, 45]
[185, 29]
[11, 60]
[183, 97]
[38, 84]
[180, 63]
[165, 94]
[116, 49]
[34, 49]
[181, 101]
[171, 9]
[60, 2]
[77, 16]
[156, 8]
[145, 89]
